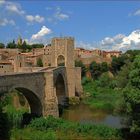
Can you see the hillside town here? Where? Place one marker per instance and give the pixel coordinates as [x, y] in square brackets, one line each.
[17, 60]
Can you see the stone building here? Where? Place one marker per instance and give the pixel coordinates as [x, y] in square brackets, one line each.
[9, 52]
[6, 67]
[111, 54]
[97, 55]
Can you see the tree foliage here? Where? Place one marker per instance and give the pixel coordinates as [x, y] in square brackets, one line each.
[79, 63]
[2, 46]
[37, 45]
[11, 45]
[122, 77]
[97, 69]
[4, 122]
[131, 97]
[134, 75]
[117, 63]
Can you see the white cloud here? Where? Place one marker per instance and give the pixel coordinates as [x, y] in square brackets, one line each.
[59, 15]
[119, 42]
[111, 41]
[122, 42]
[14, 8]
[137, 13]
[5, 21]
[2, 2]
[36, 18]
[44, 31]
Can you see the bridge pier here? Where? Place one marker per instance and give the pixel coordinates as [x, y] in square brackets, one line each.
[50, 99]
[70, 82]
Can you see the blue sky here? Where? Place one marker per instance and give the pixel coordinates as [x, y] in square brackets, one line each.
[93, 24]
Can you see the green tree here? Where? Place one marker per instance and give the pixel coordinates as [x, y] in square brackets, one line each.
[11, 45]
[122, 77]
[23, 46]
[29, 47]
[131, 97]
[104, 80]
[131, 108]
[37, 45]
[2, 46]
[4, 122]
[118, 62]
[39, 62]
[104, 67]
[79, 63]
[132, 54]
[134, 75]
[95, 70]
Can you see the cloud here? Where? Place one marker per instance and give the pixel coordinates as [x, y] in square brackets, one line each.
[14, 8]
[118, 42]
[59, 15]
[2, 2]
[137, 13]
[112, 41]
[5, 21]
[44, 31]
[122, 42]
[36, 18]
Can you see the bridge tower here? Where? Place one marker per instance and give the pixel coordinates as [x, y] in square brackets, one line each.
[63, 55]
[63, 52]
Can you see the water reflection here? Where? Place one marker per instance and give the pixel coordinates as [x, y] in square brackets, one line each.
[83, 114]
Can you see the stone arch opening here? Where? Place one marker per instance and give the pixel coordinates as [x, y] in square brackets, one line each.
[60, 90]
[33, 101]
[36, 109]
[60, 60]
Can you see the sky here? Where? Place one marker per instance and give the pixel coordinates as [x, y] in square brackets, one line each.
[108, 25]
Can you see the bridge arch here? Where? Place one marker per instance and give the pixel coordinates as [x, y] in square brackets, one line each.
[60, 86]
[33, 100]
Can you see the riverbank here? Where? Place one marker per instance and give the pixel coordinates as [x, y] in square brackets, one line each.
[103, 98]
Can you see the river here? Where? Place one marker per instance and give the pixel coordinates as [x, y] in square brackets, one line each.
[84, 114]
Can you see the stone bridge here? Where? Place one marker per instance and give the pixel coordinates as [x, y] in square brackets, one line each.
[45, 89]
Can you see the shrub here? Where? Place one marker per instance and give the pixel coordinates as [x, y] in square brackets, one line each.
[86, 80]
[66, 127]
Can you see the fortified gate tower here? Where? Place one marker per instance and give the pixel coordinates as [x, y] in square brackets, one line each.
[63, 52]
[63, 55]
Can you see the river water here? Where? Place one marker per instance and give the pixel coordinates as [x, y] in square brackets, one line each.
[84, 114]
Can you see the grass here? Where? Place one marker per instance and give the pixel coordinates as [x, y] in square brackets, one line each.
[52, 129]
[104, 98]
[31, 134]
